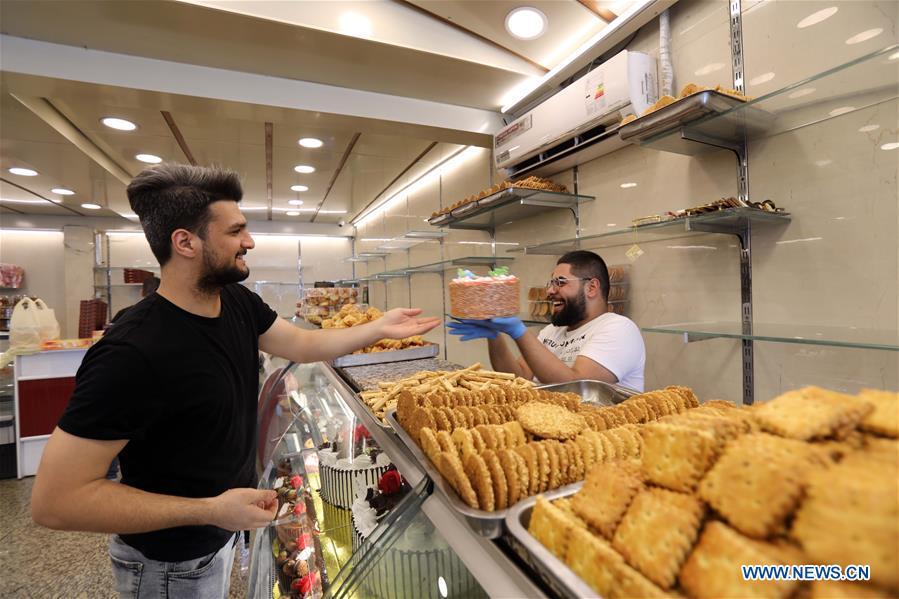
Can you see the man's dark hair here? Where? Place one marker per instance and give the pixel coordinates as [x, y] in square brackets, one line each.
[150, 285]
[177, 196]
[588, 264]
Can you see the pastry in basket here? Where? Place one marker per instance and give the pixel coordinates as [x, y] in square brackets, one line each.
[481, 298]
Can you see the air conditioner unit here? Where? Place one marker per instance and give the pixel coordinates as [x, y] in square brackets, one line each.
[625, 84]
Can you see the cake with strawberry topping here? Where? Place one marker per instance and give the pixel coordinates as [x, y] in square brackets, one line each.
[349, 464]
[484, 297]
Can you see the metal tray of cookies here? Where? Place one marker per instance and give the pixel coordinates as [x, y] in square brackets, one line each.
[595, 392]
[487, 524]
[550, 569]
[680, 112]
[382, 357]
[490, 524]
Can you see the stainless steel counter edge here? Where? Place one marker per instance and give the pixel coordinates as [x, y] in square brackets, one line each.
[493, 570]
[405, 463]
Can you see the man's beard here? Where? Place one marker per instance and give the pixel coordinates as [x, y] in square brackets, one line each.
[215, 276]
[573, 311]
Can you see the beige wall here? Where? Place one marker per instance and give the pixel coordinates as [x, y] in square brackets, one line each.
[834, 265]
[40, 253]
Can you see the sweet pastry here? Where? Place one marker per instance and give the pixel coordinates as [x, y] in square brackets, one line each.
[482, 298]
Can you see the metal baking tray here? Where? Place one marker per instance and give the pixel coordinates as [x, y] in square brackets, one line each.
[490, 524]
[595, 392]
[464, 209]
[383, 357]
[550, 569]
[439, 220]
[677, 114]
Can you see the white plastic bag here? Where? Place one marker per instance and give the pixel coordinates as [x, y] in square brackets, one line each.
[46, 318]
[25, 327]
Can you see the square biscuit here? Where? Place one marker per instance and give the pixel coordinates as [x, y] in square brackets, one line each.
[851, 516]
[552, 527]
[657, 533]
[594, 560]
[607, 493]
[677, 457]
[884, 419]
[811, 413]
[713, 568]
[757, 482]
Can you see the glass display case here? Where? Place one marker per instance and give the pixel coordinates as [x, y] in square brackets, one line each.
[357, 517]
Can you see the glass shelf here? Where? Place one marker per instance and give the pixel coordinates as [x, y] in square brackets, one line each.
[439, 267]
[856, 85]
[732, 221]
[506, 206]
[366, 257]
[785, 333]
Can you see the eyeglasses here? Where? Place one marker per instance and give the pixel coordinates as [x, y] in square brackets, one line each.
[559, 282]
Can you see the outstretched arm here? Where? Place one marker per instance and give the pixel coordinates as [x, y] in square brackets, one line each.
[71, 492]
[303, 346]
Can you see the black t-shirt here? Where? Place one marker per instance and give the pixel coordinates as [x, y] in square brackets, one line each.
[182, 389]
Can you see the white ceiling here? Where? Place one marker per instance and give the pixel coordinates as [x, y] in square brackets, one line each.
[425, 66]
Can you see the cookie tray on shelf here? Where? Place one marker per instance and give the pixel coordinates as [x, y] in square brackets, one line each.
[382, 357]
[490, 524]
[550, 569]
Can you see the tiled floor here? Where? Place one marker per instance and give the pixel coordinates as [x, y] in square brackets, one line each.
[38, 562]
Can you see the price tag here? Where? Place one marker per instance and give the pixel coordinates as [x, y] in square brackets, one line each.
[633, 253]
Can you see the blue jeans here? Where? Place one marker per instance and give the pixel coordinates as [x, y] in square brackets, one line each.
[137, 577]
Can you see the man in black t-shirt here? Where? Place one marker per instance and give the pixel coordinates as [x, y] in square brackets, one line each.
[171, 389]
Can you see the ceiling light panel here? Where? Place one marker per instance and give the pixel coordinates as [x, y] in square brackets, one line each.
[118, 124]
[23, 172]
[526, 23]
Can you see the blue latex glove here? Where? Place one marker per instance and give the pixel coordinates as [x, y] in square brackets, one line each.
[482, 329]
[471, 329]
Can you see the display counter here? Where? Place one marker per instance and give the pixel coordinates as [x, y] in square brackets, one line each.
[317, 439]
[44, 381]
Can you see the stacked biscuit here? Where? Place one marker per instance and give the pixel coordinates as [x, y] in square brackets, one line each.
[498, 445]
[532, 182]
[807, 478]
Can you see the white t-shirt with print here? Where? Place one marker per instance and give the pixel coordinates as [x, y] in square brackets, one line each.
[611, 340]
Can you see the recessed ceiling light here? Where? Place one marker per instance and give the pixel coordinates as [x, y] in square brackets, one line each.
[864, 36]
[763, 78]
[311, 142]
[292, 213]
[149, 158]
[841, 110]
[298, 188]
[295, 202]
[120, 124]
[62, 191]
[526, 23]
[889, 146]
[304, 168]
[893, 56]
[817, 17]
[803, 92]
[868, 128]
[25, 172]
[91, 206]
[628, 185]
[709, 68]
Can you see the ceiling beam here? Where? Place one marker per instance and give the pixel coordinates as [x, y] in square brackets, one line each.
[603, 13]
[474, 34]
[13, 210]
[395, 179]
[182, 143]
[269, 151]
[344, 158]
[37, 195]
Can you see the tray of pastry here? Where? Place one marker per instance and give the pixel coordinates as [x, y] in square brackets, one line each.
[489, 522]
[679, 112]
[554, 573]
[428, 350]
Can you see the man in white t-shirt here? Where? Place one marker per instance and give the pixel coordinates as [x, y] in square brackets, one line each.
[584, 341]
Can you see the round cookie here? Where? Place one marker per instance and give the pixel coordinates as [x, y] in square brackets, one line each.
[549, 421]
[498, 478]
[479, 477]
[509, 465]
